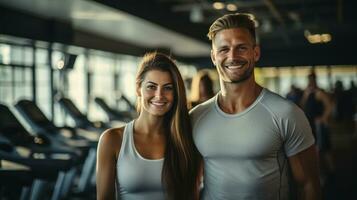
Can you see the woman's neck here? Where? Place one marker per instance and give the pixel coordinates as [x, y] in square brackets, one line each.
[149, 124]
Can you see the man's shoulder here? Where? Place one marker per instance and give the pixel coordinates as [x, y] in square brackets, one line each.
[202, 108]
[278, 105]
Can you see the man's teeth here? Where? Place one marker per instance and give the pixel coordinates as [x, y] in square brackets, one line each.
[234, 66]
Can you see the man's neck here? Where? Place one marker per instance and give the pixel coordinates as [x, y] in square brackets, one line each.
[236, 97]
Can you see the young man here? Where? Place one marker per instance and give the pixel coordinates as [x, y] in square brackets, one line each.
[250, 138]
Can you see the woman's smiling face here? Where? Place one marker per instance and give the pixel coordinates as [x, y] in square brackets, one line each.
[156, 92]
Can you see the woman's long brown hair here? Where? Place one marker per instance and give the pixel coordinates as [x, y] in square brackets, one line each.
[181, 163]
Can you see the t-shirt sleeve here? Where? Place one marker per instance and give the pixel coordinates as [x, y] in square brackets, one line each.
[196, 113]
[193, 115]
[297, 132]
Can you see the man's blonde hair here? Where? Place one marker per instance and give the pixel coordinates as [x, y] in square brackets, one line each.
[237, 20]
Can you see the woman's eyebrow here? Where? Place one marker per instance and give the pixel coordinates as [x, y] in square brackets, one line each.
[151, 82]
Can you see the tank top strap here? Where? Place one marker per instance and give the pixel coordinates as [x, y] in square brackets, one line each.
[127, 143]
[137, 178]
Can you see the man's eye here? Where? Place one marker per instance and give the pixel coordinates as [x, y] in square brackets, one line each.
[243, 48]
[222, 50]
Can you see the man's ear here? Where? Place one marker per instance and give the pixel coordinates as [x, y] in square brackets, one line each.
[213, 57]
[256, 53]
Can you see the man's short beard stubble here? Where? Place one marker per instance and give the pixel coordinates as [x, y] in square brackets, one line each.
[247, 74]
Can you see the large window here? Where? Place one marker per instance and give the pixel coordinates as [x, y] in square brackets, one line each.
[280, 79]
[111, 76]
[15, 73]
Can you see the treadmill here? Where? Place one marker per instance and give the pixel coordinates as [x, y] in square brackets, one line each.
[112, 114]
[42, 125]
[79, 118]
[14, 131]
[38, 169]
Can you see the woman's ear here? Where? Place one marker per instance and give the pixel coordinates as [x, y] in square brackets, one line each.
[138, 92]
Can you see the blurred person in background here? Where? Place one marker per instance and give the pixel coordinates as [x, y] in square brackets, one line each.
[318, 107]
[295, 94]
[201, 88]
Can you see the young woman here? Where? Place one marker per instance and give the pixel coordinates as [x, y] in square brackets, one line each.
[153, 157]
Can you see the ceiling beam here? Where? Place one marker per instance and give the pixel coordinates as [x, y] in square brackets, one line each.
[277, 15]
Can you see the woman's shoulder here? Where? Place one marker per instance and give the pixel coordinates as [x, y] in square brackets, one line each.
[113, 134]
[112, 138]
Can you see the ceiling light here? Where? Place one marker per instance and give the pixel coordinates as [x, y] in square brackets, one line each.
[218, 5]
[60, 64]
[317, 38]
[326, 37]
[231, 7]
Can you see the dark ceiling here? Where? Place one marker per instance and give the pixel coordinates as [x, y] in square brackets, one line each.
[282, 29]
[282, 24]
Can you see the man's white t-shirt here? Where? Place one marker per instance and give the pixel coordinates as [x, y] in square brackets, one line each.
[245, 154]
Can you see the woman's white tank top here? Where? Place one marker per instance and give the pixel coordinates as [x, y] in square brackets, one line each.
[137, 178]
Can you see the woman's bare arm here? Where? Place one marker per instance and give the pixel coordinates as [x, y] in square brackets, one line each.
[107, 153]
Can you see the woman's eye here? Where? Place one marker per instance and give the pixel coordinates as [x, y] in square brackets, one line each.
[151, 87]
[169, 88]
